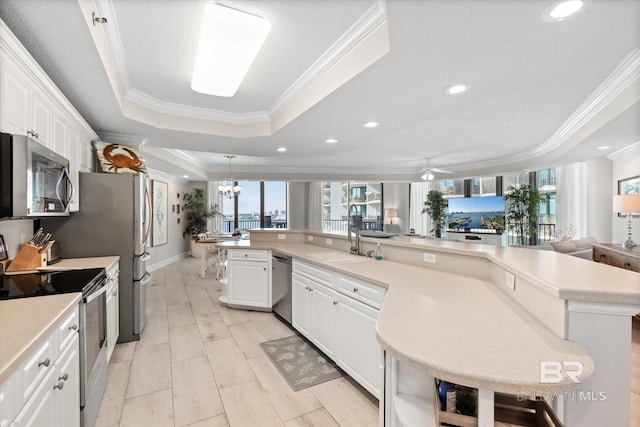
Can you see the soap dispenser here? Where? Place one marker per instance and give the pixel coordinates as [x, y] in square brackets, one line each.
[378, 253]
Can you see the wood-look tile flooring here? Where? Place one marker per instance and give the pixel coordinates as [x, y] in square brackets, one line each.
[199, 364]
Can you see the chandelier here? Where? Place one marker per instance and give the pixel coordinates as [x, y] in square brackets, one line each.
[230, 189]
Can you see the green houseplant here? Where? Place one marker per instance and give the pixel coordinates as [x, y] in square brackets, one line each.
[522, 212]
[197, 213]
[436, 207]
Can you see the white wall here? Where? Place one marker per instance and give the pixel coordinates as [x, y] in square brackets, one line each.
[177, 246]
[297, 205]
[626, 164]
[15, 232]
[599, 199]
[396, 196]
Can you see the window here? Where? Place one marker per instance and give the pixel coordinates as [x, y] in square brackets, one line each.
[485, 186]
[338, 197]
[259, 205]
[275, 205]
[452, 187]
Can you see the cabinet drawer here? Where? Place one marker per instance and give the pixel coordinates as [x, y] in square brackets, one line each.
[360, 290]
[247, 255]
[615, 259]
[8, 404]
[36, 367]
[318, 274]
[65, 332]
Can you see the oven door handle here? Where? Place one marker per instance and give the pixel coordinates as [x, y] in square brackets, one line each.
[94, 295]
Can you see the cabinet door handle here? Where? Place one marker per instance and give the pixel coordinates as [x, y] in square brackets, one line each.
[264, 268]
[627, 265]
[355, 290]
[58, 386]
[246, 255]
[602, 256]
[46, 362]
[73, 327]
[335, 303]
[64, 377]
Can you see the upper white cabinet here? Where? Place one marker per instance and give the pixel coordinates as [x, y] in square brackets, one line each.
[32, 105]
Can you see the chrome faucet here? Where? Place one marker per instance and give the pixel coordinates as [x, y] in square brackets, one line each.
[355, 248]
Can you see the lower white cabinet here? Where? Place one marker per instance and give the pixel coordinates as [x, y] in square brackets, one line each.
[301, 299]
[359, 343]
[113, 309]
[248, 279]
[45, 390]
[340, 325]
[325, 332]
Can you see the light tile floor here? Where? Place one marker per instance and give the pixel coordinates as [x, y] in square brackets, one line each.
[198, 364]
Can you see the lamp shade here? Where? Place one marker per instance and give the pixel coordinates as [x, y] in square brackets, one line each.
[626, 203]
[392, 213]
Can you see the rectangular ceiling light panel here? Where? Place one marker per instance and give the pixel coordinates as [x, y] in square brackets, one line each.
[229, 42]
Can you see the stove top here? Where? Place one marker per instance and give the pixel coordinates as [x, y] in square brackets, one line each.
[60, 282]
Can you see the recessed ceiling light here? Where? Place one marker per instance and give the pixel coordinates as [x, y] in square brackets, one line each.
[229, 42]
[331, 141]
[282, 149]
[562, 10]
[185, 176]
[370, 124]
[456, 89]
[604, 147]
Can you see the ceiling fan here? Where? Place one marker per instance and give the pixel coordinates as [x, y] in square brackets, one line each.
[429, 172]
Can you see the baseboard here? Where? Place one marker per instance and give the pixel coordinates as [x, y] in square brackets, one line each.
[163, 263]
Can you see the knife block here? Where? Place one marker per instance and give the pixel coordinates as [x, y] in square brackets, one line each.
[28, 258]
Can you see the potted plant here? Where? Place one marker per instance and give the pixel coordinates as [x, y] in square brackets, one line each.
[522, 212]
[197, 214]
[436, 206]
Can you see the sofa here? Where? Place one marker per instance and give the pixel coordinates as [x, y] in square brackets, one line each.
[581, 248]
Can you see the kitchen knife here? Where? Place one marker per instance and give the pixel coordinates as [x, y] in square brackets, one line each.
[36, 236]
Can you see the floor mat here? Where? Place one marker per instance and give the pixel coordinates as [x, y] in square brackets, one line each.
[300, 363]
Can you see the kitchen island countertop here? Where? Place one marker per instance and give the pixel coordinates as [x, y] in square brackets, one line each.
[453, 327]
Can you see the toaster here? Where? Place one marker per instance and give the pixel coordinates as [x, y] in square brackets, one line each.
[53, 253]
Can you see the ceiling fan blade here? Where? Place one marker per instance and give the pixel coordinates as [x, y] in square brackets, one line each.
[441, 170]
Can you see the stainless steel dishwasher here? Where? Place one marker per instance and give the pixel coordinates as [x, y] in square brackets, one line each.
[281, 286]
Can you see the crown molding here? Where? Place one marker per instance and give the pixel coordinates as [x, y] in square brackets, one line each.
[625, 152]
[182, 110]
[187, 156]
[626, 74]
[359, 31]
[120, 138]
[143, 107]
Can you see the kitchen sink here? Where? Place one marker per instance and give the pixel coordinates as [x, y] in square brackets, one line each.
[336, 257]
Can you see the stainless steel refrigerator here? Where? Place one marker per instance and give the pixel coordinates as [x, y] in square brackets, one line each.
[114, 219]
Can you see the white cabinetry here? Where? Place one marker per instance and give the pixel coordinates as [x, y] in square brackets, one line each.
[113, 309]
[32, 105]
[45, 390]
[338, 314]
[249, 276]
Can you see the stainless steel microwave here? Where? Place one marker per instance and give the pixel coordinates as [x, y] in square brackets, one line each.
[34, 180]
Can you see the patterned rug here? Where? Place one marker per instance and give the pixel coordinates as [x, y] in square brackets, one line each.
[299, 363]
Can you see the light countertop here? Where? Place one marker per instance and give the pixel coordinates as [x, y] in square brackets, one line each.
[454, 327]
[82, 263]
[24, 322]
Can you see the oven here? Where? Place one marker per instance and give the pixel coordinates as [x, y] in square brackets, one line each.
[93, 349]
[92, 328]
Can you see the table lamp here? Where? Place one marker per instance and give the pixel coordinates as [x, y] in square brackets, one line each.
[629, 204]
